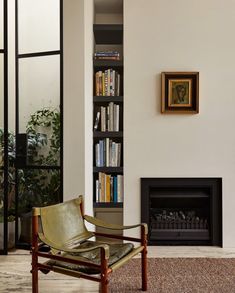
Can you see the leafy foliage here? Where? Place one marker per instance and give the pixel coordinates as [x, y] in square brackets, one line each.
[37, 187]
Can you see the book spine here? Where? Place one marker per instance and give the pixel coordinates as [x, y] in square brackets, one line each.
[107, 152]
[97, 119]
[119, 188]
[111, 116]
[111, 189]
[107, 188]
[102, 195]
[103, 86]
[108, 90]
[115, 189]
[119, 155]
[97, 187]
[118, 85]
[100, 83]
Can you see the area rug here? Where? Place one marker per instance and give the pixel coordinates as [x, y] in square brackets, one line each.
[177, 275]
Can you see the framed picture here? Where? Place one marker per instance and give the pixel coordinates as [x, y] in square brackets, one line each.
[180, 92]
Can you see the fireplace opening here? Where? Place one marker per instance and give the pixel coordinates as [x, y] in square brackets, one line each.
[184, 211]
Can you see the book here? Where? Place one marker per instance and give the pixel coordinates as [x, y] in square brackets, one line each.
[97, 198]
[97, 120]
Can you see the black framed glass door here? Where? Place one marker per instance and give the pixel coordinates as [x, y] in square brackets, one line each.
[38, 110]
[3, 127]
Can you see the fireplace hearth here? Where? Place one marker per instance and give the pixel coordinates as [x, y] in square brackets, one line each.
[182, 211]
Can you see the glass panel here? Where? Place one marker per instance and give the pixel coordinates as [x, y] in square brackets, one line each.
[39, 101]
[1, 107]
[1, 209]
[1, 24]
[38, 25]
[36, 188]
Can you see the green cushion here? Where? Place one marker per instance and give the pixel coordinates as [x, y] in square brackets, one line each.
[117, 251]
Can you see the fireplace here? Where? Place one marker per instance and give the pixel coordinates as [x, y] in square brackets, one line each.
[182, 211]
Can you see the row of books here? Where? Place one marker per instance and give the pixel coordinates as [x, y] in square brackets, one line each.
[107, 118]
[107, 153]
[107, 55]
[107, 83]
[109, 188]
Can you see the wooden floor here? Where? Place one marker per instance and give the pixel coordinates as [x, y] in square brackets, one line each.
[15, 268]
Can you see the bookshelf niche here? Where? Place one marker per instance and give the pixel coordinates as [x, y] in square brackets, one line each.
[108, 121]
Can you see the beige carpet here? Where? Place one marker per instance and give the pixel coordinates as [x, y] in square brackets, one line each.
[177, 275]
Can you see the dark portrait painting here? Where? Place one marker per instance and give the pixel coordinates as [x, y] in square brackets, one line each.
[180, 93]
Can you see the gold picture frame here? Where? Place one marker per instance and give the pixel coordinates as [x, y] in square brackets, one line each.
[180, 92]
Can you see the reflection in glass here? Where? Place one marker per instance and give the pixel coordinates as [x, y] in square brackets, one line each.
[40, 16]
[39, 102]
[11, 193]
[38, 187]
[43, 135]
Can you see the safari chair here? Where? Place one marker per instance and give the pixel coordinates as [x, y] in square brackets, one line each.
[70, 250]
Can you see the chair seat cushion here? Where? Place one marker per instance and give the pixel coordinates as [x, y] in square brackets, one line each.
[116, 250]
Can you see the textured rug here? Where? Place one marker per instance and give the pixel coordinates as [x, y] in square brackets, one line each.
[177, 275]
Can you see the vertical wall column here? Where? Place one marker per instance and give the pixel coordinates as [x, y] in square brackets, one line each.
[78, 47]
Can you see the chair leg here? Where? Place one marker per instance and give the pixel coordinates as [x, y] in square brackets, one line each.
[104, 286]
[144, 259]
[34, 280]
[104, 273]
[144, 269]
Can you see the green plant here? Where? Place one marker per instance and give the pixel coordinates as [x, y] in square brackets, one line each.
[36, 187]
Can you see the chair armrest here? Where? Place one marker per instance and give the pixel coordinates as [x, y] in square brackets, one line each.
[100, 223]
[71, 250]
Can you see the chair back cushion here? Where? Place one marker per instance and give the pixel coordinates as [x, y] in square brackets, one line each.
[63, 223]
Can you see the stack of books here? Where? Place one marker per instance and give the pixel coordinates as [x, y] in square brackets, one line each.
[107, 118]
[108, 153]
[107, 83]
[109, 188]
[107, 55]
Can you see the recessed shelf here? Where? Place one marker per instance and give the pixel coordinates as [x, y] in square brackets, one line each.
[108, 169]
[108, 33]
[101, 99]
[108, 63]
[107, 204]
[103, 134]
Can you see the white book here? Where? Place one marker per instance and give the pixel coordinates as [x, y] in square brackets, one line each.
[116, 155]
[97, 119]
[97, 185]
[111, 104]
[117, 118]
[119, 188]
[107, 152]
[113, 155]
[108, 118]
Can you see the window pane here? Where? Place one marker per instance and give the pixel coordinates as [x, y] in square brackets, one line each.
[38, 25]
[1, 108]
[39, 102]
[1, 24]
[1, 208]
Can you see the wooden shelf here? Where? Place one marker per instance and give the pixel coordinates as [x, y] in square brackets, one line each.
[108, 63]
[107, 204]
[103, 99]
[108, 33]
[108, 169]
[103, 134]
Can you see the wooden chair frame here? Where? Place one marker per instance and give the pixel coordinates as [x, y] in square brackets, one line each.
[104, 269]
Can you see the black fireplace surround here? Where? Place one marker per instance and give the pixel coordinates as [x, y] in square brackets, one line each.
[182, 211]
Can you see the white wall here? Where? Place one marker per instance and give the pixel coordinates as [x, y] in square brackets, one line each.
[183, 35]
[78, 82]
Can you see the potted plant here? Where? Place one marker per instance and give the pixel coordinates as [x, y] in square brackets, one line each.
[36, 187]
